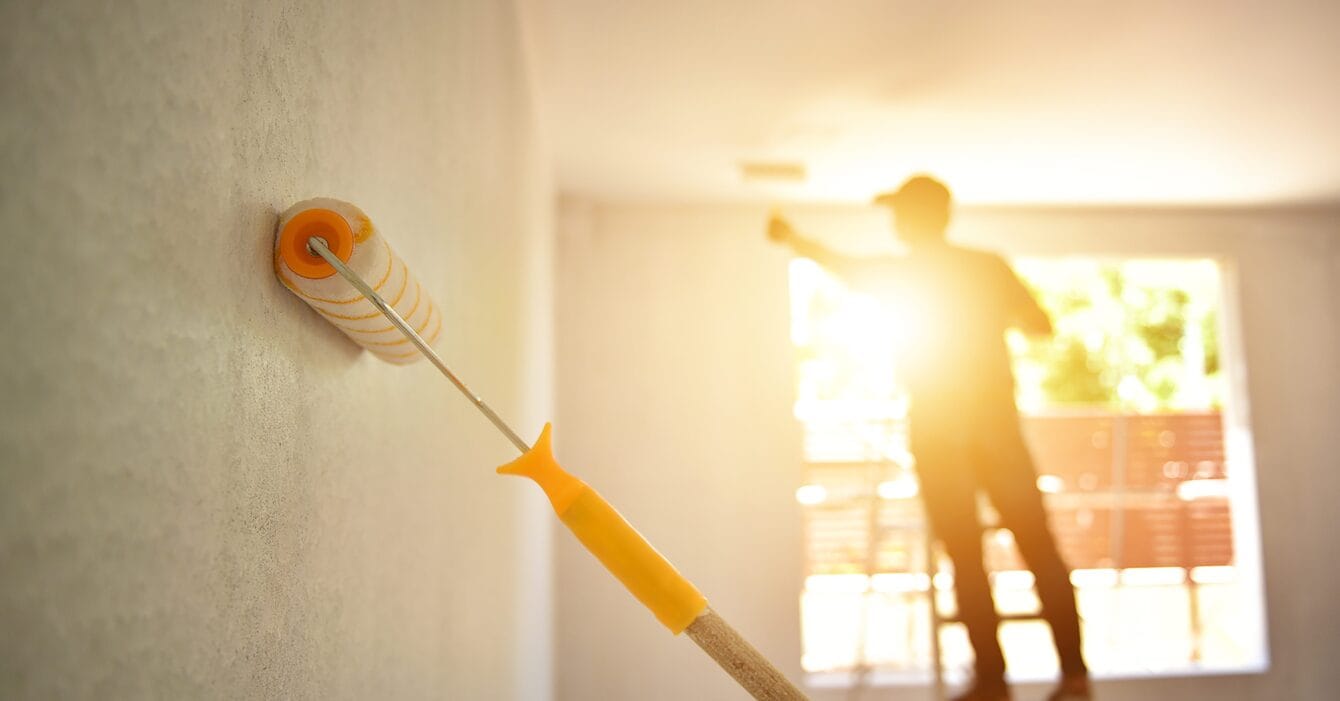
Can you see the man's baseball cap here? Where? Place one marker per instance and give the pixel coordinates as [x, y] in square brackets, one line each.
[921, 189]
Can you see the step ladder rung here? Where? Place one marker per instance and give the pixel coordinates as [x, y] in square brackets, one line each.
[1004, 617]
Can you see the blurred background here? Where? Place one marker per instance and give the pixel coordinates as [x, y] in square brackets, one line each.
[207, 492]
[1162, 177]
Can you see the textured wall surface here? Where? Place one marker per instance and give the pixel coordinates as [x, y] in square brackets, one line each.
[205, 490]
[674, 387]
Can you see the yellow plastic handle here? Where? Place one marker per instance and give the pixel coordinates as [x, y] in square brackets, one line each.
[604, 532]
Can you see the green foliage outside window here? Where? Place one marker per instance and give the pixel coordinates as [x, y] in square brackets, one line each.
[1130, 335]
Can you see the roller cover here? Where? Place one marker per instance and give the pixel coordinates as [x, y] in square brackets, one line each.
[620, 548]
[351, 235]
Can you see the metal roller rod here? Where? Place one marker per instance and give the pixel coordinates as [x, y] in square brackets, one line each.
[319, 247]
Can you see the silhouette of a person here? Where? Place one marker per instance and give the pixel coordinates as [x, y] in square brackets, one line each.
[964, 426]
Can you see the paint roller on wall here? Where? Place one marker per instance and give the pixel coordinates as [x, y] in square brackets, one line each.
[351, 236]
[327, 252]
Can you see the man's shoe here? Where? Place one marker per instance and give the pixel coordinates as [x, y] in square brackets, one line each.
[1072, 689]
[982, 692]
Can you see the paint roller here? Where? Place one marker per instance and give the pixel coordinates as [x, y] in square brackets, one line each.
[329, 253]
[350, 235]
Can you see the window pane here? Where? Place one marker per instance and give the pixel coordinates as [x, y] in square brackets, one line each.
[1123, 416]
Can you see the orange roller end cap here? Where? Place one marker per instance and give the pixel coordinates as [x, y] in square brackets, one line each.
[309, 224]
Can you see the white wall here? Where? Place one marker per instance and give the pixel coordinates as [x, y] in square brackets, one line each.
[674, 377]
[205, 490]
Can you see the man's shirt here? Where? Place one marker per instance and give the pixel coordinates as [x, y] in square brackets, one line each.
[955, 305]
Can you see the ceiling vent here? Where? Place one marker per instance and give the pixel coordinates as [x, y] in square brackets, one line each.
[772, 171]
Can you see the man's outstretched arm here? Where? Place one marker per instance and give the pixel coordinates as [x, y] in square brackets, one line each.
[842, 265]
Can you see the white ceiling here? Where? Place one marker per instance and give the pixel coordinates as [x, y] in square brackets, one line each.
[1071, 101]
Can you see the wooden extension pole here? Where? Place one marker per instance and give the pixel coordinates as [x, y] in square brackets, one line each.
[734, 654]
[647, 575]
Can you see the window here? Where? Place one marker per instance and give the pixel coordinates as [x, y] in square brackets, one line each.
[1124, 410]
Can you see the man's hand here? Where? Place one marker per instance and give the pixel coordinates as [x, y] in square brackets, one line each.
[780, 230]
